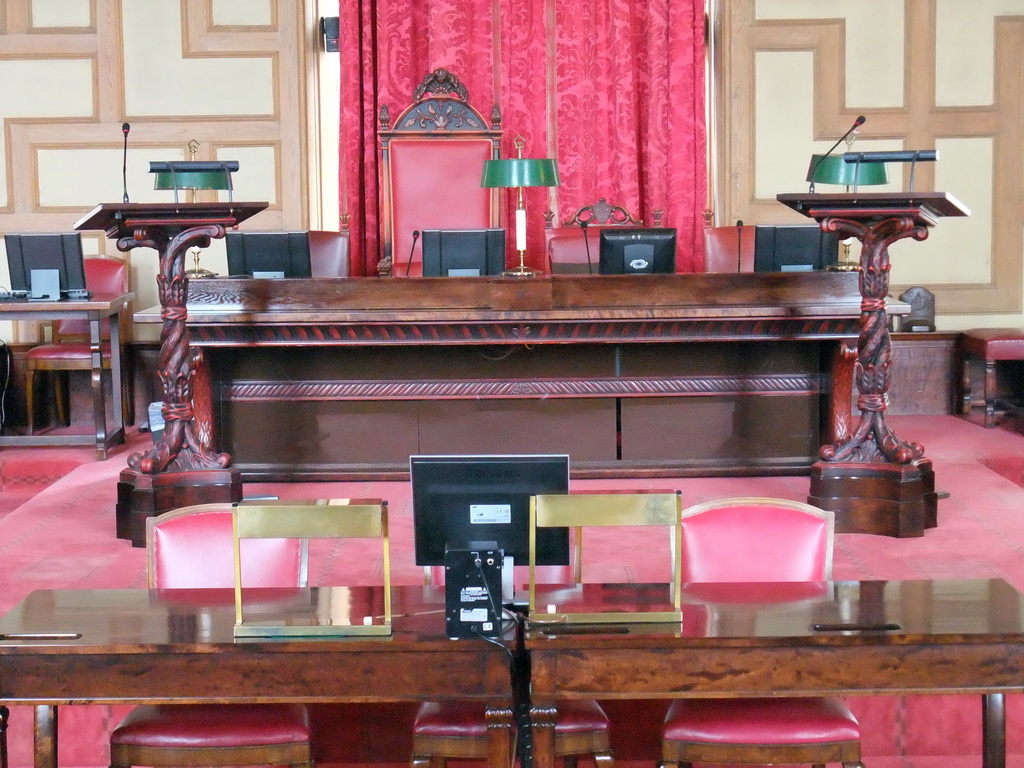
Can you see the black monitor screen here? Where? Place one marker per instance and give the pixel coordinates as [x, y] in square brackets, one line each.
[268, 254]
[463, 252]
[630, 251]
[461, 499]
[794, 248]
[61, 252]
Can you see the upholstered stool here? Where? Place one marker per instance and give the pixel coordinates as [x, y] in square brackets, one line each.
[987, 346]
[212, 735]
[458, 731]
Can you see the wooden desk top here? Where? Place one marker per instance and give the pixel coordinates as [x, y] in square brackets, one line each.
[98, 304]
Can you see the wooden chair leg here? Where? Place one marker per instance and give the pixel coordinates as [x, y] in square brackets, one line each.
[30, 399]
[58, 392]
[990, 393]
[5, 713]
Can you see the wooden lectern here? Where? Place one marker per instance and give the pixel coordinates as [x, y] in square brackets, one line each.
[182, 468]
[874, 481]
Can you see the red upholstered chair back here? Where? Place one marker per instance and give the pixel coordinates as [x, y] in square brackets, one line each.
[102, 275]
[729, 249]
[192, 548]
[432, 163]
[328, 254]
[754, 539]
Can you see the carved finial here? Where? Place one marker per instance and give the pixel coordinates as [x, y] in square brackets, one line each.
[384, 118]
[440, 81]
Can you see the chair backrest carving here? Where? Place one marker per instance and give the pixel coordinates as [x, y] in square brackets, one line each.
[431, 167]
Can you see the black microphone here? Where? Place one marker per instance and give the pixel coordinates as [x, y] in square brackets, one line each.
[856, 124]
[124, 162]
[586, 244]
[739, 245]
[415, 237]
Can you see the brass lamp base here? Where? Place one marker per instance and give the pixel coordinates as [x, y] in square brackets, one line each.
[843, 266]
[199, 274]
[521, 270]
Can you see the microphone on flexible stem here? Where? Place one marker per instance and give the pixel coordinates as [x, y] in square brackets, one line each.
[124, 161]
[856, 124]
[586, 244]
[739, 245]
[412, 250]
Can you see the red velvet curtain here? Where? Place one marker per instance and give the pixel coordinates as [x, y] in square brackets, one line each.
[613, 90]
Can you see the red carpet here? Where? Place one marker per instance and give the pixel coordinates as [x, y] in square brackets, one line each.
[63, 537]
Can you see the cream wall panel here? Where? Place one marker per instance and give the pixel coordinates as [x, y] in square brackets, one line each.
[964, 72]
[159, 82]
[77, 178]
[958, 250]
[242, 13]
[61, 13]
[256, 178]
[873, 43]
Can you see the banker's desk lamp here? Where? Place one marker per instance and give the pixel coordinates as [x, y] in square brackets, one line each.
[517, 173]
[191, 176]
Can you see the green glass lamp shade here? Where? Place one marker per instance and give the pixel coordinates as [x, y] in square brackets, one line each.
[833, 169]
[191, 180]
[520, 172]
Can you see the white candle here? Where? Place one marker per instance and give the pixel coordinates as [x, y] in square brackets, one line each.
[520, 229]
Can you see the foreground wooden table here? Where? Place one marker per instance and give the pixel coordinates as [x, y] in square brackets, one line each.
[94, 309]
[949, 637]
[137, 646]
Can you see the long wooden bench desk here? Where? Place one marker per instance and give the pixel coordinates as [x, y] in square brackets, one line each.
[129, 646]
[651, 374]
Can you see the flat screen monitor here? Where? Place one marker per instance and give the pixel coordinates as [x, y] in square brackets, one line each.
[463, 252]
[461, 499]
[61, 253]
[633, 251]
[794, 248]
[268, 254]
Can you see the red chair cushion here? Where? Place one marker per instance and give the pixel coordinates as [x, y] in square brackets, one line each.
[72, 350]
[760, 721]
[994, 343]
[466, 719]
[212, 725]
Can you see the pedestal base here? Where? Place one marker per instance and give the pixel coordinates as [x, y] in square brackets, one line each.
[885, 499]
[140, 496]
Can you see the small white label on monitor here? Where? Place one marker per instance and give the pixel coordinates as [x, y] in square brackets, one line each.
[796, 268]
[467, 272]
[490, 514]
[473, 615]
[269, 275]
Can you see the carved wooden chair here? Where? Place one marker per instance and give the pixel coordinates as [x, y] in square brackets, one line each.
[431, 168]
[758, 540]
[572, 246]
[69, 349]
[192, 548]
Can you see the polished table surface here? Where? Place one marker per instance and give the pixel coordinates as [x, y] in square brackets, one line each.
[131, 646]
[845, 638]
[94, 309]
[734, 640]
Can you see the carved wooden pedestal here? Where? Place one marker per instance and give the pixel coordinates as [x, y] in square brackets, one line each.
[182, 468]
[874, 481]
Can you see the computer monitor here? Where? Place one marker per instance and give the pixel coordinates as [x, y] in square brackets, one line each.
[794, 248]
[461, 499]
[268, 254]
[631, 251]
[60, 253]
[463, 252]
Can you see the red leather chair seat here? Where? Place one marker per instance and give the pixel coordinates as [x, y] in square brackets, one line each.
[760, 721]
[213, 725]
[466, 719]
[65, 351]
[994, 343]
